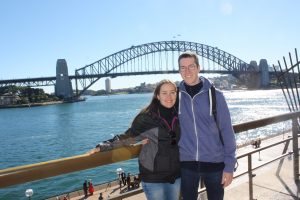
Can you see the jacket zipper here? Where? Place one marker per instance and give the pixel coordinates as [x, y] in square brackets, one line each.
[195, 128]
[194, 120]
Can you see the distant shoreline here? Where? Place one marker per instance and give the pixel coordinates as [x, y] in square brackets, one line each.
[31, 104]
[116, 93]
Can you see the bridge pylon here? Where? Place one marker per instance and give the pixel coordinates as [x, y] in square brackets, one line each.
[257, 75]
[63, 86]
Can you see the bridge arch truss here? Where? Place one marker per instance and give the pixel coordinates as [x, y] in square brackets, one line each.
[156, 58]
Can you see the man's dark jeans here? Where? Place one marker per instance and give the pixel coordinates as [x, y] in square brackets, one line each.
[190, 177]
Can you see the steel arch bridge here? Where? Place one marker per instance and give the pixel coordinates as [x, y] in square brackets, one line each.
[148, 59]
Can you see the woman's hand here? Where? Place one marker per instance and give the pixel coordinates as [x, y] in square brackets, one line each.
[92, 151]
[142, 142]
[145, 141]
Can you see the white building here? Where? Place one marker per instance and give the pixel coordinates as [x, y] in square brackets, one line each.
[108, 85]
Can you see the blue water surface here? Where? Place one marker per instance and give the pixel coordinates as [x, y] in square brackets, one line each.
[38, 134]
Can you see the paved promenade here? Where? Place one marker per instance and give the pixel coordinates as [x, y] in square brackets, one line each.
[274, 181]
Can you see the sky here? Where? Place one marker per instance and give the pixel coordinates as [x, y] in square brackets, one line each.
[35, 33]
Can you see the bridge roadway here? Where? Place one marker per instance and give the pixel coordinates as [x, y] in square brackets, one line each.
[266, 184]
[47, 81]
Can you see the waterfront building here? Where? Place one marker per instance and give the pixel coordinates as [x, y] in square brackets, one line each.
[8, 99]
[108, 85]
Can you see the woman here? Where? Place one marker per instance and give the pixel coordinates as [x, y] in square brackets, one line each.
[91, 188]
[157, 128]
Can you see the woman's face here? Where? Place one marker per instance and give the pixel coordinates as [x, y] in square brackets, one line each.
[167, 95]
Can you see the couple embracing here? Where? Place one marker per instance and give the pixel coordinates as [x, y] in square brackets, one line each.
[187, 134]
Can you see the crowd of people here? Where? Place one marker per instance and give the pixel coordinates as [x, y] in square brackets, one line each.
[127, 180]
[132, 182]
[186, 135]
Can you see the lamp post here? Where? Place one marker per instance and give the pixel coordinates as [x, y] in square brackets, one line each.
[29, 193]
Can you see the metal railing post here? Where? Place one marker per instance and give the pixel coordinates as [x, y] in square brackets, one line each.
[295, 131]
[281, 160]
[250, 177]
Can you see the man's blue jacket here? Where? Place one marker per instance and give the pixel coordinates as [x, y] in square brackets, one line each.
[200, 140]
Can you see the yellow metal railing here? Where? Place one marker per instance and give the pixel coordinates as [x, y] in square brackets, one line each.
[27, 173]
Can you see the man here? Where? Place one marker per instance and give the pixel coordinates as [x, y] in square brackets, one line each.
[100, 196]
[85, 188]
[207, 146]
[123, 177]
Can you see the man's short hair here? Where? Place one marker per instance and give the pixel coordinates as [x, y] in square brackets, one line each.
[189, 54]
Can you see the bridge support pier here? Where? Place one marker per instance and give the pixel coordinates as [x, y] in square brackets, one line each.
[260, 77]
[63, 86]
[264, 73]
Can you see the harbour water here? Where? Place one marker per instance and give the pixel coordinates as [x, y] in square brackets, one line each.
[38, 134]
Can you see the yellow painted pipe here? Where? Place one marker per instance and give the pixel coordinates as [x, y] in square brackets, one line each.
[27, 173]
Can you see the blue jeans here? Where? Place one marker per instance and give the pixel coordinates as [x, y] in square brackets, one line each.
[162, 191]
[190, 178]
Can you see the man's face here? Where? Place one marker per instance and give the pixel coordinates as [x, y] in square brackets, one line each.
[189, 71]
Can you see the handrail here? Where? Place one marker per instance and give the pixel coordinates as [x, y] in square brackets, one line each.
[250, 168]
[37, 171]
[265, 121]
